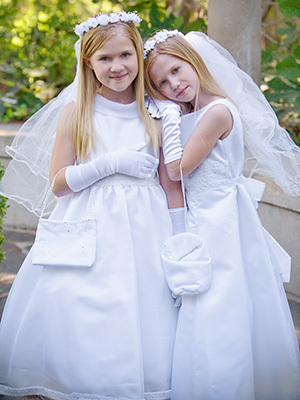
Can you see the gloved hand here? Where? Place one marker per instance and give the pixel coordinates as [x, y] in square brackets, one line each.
[178, 219]
[171, 142]
[167, 106]
[133, 163]
[124, 161]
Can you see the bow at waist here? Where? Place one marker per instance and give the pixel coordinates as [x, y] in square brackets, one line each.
[254, 188]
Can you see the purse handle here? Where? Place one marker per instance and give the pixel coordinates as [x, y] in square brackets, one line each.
[183, 192]
[92, 190]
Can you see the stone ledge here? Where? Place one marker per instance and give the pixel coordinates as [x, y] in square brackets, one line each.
[7, 134]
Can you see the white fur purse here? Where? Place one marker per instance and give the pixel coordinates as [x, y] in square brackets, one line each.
[61, 243]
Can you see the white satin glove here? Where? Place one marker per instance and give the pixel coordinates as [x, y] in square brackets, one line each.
[123, 161]
[178, 219]
[171, 142]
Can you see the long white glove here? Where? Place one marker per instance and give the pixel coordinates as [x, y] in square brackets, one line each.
[171, 142]
[178, 219]
[123, 161]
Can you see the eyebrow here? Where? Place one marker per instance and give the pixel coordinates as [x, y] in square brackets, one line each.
[163, 79]
[109, 54]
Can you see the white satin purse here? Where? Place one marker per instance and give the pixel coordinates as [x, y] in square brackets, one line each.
[187, 264]
[61, 243]
[186, 261]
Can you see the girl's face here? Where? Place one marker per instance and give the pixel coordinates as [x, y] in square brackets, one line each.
[174, 78]
[116, 66]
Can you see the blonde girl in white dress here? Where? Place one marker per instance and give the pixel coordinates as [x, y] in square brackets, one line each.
[237, 340]
[104, 332]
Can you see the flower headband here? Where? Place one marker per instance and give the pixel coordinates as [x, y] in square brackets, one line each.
[105, 19]
[159, 37]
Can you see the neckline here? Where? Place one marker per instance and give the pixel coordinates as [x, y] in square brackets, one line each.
[109, 107]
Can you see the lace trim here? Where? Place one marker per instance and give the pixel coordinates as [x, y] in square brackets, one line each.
[152, 109]
[209, 177]
[52, 394]
[124, 180]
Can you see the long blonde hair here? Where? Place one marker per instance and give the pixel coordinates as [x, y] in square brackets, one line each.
[82, 123]
[177, 46]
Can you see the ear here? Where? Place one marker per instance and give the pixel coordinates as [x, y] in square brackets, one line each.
[88, 62]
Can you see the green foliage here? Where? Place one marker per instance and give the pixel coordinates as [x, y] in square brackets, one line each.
[157, 17]
[3, 208]
[281, 71]
[37, 54]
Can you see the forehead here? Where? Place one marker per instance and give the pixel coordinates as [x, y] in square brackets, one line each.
[162, 65]
[116, 44]
[165, 60]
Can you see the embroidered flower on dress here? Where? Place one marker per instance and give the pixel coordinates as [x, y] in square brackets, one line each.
[105, 19]
[159, 37]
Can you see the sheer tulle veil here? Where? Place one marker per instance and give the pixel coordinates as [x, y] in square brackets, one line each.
[26, 179]
[268, 147]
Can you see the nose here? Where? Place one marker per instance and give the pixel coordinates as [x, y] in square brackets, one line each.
[174, 83]
[116, 66]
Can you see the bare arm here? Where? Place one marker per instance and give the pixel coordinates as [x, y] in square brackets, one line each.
[63, 152]
[172, 189]
[216, 124]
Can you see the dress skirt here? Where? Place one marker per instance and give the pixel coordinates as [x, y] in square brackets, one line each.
[104, 332]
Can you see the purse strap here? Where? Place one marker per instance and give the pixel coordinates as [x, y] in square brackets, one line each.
[183, 192]
[92, 193]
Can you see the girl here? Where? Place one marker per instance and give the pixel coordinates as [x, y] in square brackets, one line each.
[236, 341]
[105, 332]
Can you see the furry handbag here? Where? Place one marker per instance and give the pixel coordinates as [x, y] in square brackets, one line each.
[61, 243]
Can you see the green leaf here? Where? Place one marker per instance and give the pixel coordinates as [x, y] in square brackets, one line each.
[289, 68]
[199, 25]
[297, 102]
[296, 52]
[289, 8]
[278, 84]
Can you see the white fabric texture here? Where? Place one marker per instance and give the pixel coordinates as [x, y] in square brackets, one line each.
[269, 149]
[236, 341]
[105, 332]
[187, 264]
[178, 219]
[169, 112]
[123, 161]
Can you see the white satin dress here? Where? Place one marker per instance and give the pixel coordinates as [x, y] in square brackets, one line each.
[106, 332]
[237, 341]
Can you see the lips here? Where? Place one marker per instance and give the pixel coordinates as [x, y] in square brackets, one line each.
[181, 92]
[118, 77]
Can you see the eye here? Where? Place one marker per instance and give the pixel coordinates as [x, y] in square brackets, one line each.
[104, 58]
[175, 70]
[125, 55]
[163, 83]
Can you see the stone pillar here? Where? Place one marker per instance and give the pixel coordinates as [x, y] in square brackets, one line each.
[236, 25]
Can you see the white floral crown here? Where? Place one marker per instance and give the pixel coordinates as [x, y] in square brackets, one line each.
[105, 19]
[159, 37]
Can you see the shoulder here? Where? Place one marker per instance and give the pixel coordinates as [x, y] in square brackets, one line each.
[64, 121]
[217, 121]
[221, 112]
[68, 110]
[221, 117]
